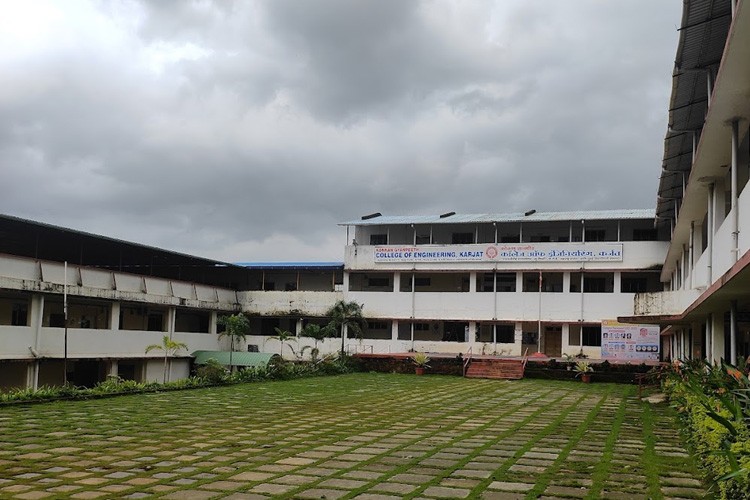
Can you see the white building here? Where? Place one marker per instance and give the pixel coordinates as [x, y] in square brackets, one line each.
[499, 283]
[702, 193]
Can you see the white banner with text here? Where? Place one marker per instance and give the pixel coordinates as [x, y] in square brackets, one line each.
[510, 252]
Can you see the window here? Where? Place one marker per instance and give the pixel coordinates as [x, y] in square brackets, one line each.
[510, 238]
[633, 285]
[539, 239]
[20, 314]
[422, 282]
[596, 234]
[378, 239]
[645, 235]
[592, 336]
[484, 282]
[531, 282]
[377, 325]
[423, 239]
[599, 283]
[574, 335]
[505, 334]
[378, 282]
[506, 282]
[421, 327]
[462, 238]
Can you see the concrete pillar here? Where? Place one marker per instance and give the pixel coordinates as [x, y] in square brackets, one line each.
[618, 282]
[396, 282]
[213, 322]
[697, 243]
[171, 316]
[566, 282]
[709, 326]
[114, 316]
[473, 334]
[710, 219]
[734, 194]
[717, 337]
[733, 332]
[32, 375]
[112, 368]
[565, 337]
[518, 339]
[519, 282]
[394, 330]
[298, 325]
[720, 199]
[36, 317]
[472, 282]
[345, 284]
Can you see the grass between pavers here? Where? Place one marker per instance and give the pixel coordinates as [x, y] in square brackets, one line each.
[369, 433]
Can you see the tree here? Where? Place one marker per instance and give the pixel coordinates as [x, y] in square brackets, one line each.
[170, 348]
[317, 333]
[284, 336]
[347, 316]
[236, 327]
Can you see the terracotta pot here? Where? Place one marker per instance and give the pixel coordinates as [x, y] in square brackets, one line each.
[419, 370]
[586, 377]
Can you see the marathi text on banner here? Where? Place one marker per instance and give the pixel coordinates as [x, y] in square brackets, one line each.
[520, 252]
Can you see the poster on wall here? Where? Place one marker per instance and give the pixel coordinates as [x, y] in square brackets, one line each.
[623, 341]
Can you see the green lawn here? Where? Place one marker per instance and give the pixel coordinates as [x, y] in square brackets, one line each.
[370, 436]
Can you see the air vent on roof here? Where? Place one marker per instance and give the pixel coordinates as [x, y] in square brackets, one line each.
[371, 216]
[447, 214]
[530, 212]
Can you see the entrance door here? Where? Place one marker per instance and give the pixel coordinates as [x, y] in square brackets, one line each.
[553, 341]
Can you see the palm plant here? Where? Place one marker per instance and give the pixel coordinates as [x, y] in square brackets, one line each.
[345, 317]
[236, 327]
[284, 336]
[170, 348]
[317, 333]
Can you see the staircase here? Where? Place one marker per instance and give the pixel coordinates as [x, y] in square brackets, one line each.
[496, 368]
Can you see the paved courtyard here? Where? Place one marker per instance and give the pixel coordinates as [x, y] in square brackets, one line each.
[369, 436]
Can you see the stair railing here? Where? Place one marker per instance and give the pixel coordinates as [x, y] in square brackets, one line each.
[525, 359]
[467, 360]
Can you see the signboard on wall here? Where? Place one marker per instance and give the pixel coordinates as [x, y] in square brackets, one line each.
[512, 252]
[630, 342]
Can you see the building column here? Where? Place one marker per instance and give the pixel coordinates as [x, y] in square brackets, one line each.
[710, 232]
[518, 339]
[112, 368]
[171, 316]
[717, 337]
[345, 284]
[213, 322]
[618, 282]
[32, 375]
[396, 281]
[394, 330]
[114, 316]
[36, 317]
[298, 325]
[733, 332]
[565, 337]
[472, 334]
[566, 282]
[472, 282]
[734, 194]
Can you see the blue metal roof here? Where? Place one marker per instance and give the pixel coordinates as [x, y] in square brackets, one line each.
[329, 266]
[648, 213]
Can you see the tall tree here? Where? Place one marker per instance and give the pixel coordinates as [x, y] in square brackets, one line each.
[236, 327]
[347, 317]
[170, 348]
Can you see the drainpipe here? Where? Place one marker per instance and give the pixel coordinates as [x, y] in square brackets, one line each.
[735, 205]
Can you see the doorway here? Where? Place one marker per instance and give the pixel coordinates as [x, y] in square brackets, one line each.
[553, 341]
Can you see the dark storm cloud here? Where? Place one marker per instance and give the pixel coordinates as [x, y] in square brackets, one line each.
[246, 130]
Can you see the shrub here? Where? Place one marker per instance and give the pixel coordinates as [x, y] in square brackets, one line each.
[212, 372]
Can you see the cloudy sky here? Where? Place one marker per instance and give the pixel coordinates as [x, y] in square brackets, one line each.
[244, 131]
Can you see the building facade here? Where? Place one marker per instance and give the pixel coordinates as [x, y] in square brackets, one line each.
[703, 200]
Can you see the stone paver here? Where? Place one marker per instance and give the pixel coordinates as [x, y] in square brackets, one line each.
[329, 437]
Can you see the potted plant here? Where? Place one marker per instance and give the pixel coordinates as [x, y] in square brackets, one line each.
[583, 369]
[569, 361]
[421, 361]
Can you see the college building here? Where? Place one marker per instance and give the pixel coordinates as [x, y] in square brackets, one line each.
[702, 196]
[557, 283]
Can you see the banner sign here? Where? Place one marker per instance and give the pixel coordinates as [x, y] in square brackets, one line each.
[630, 342]
[513, 252]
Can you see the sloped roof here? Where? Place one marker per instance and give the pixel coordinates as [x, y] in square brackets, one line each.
[505, 217]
